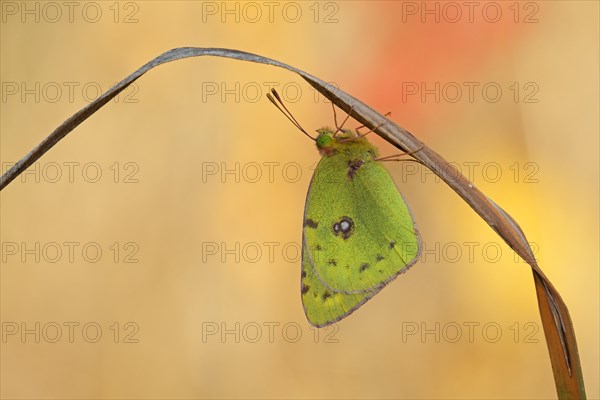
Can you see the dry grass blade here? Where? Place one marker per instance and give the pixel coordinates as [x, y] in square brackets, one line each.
[558, 328]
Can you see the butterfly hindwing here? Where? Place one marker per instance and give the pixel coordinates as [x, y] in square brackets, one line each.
[358, 235]
[322, 305]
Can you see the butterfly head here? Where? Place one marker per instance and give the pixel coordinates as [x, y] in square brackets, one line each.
[325, 138]
[330, 142]
[325, 141]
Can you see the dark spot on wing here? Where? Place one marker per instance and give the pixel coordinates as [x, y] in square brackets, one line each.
[332, 262]
[379, 257]
[310, 223]
[318, 248]
[353, 166]
[392, 244]
[363, 267]
[326, 295]
[344, 227]
[305, 289]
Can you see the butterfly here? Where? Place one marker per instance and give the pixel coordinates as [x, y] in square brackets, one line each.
[358, 232]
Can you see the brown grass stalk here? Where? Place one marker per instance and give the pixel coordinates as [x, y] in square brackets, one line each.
[558, 327]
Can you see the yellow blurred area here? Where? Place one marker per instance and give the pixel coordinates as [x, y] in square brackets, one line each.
[154, 252]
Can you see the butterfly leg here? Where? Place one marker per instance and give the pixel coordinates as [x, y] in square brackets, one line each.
[396, 157]
[339, 128]
[387, 114]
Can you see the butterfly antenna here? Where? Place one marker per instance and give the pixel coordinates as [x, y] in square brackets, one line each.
[284, 110]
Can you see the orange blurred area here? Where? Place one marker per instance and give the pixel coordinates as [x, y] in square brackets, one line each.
[155, 251]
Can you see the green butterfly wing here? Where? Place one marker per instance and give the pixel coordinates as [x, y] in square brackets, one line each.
[358, 235]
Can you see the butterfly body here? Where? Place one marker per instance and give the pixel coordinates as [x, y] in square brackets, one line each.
[358, 233]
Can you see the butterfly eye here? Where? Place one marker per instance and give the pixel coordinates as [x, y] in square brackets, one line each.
[324, 140]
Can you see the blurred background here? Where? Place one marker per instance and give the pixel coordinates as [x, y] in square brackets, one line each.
[155, 252]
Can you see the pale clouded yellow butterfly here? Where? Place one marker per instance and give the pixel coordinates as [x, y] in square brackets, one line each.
[358, 232]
